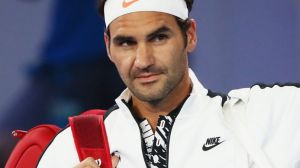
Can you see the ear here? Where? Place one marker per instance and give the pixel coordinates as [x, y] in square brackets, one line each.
[192, 36]
[107, 45]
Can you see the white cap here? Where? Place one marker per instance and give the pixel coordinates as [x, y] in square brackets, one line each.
[116, 8]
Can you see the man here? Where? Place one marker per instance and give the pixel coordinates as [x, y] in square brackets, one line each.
[165, 117]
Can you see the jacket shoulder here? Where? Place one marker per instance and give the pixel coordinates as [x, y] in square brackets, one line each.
[110, 110]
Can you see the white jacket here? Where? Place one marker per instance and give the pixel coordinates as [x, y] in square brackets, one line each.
[260, 121]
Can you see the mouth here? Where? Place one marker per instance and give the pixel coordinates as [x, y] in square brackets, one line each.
[148, 78]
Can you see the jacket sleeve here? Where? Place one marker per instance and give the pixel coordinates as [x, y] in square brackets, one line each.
[273, 117]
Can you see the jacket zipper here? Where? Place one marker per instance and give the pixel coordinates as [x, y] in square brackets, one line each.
[143, 147]
[169, 139]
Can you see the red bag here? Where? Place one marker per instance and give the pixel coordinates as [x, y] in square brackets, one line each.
[32, 143]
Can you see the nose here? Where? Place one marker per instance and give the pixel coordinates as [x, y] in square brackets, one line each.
[144, 58]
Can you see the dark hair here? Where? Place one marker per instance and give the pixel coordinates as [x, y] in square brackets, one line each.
[184, 25]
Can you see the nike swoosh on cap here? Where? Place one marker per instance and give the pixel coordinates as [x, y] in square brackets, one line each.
[127, 3]
[206, 148]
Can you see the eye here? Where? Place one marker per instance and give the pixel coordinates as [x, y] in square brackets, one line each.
[121, 41]
[159, 38]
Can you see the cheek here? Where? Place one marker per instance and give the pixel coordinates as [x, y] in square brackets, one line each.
[172, 55]
[122, 62]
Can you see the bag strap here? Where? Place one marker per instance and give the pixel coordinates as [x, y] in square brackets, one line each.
[90, 137]
[235, 115]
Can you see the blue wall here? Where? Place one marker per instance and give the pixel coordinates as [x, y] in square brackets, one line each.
[243, 42]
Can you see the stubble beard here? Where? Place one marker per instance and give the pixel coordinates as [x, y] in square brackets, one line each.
[159, 93]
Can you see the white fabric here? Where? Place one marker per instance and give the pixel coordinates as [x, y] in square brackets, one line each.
[272, 117]
[61, 153]
[115, 8]
[235, 116]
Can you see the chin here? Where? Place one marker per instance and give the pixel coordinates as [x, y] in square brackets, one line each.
[151, 97]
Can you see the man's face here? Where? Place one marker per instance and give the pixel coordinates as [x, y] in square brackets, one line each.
[149, 52]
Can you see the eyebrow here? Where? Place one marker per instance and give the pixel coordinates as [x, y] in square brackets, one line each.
[120, 38]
